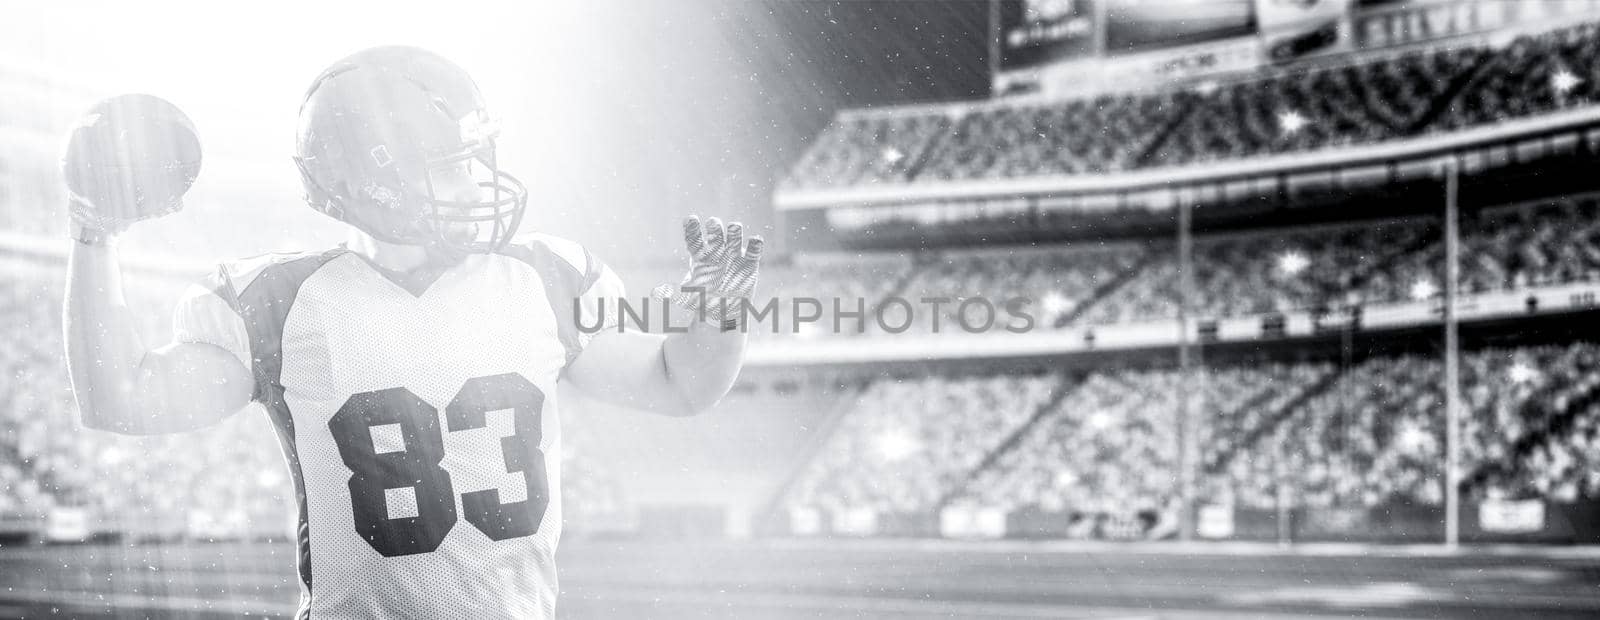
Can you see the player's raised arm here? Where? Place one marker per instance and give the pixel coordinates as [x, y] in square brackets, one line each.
[685, 373]
[133, 158]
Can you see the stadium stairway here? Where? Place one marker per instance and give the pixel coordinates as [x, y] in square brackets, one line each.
[927, 151]
[1551, 422]
[1147, 157]
[1105, 290]
[1449, 97]
[1271, 421]
[898, 289]
[1386, 264]
[1063, 388]
[1225, 452]
[772, 509]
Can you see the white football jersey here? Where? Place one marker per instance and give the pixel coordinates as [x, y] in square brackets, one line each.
[417, 415]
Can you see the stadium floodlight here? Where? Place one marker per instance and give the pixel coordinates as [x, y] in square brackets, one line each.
[1414, 440]
[895, 445]
[1424, 289]
[1292, 121]
[1056, 304]
[1292, 262]
[1521, 373]
[1564, 81]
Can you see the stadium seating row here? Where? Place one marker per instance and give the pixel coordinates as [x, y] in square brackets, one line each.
[1236, 274]
[1311, 434]
[1414, 93]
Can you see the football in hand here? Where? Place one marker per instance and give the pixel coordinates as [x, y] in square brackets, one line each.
[129, 158]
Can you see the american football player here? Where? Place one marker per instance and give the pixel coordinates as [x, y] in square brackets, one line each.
[410, 373]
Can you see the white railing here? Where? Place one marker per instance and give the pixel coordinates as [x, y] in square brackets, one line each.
[1212, 172]
[951, 345]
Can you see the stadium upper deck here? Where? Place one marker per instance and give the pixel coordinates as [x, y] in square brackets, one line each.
[1414, 93]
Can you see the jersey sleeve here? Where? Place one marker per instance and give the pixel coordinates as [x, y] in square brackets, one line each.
[601, 302]
[208, 313]
[585, 294]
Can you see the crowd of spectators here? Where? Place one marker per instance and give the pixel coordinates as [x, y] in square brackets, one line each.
[1318, 108]
[1236, 274]
[851, 281]
[1531, 75]
[1109, 446]
[1260, 272]
[1286, 110]
[1105, 134]
[1535, 431]
[906, 442]
[1056, 281]
[871, 148]
[1504, 248]
[1371, 437]
[1308, 433]
[1376, 435]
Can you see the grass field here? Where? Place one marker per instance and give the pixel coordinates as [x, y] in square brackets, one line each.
[867, 579]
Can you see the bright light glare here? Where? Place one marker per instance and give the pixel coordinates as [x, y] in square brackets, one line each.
[1521, 372]
[1424, 289]
[1056, 304]
[1564, 81]
[1292, 262]
[1291, 122]
[1413, 439]
[896, 444]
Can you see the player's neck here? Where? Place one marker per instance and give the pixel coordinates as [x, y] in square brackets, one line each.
[391, 256]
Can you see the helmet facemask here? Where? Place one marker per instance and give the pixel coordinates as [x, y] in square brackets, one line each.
[483, 223]
[413, 211]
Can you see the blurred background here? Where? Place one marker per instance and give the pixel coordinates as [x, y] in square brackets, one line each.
[1315, 284]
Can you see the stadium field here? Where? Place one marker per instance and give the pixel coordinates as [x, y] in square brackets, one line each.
[868, 579]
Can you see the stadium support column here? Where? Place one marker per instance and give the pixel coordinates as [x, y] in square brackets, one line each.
[1188, 437]
[994, 43]
[1452, 353]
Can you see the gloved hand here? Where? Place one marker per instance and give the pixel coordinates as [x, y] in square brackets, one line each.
[723, 267]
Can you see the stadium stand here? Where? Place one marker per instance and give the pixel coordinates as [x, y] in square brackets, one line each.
[1284, 111]
[906, 441]
[1237, 273]
[1365, 436]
